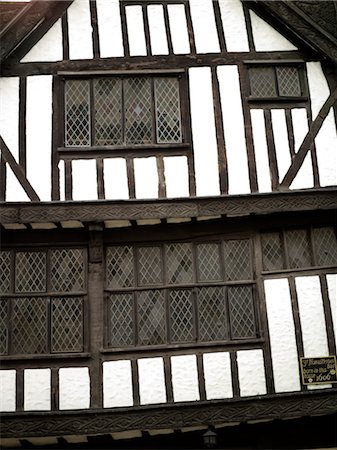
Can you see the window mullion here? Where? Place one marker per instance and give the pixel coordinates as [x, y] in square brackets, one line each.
[153, 111]
[122, 105]
[92, 118]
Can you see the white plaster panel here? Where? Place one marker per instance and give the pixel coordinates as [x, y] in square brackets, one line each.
[234, 130]
[62, 179]
[281, 141]
[332, 290]
[38, 134]
[115, 179]
[318, 87]
[151, 381]
[146, 177]
[7, 390]
[234, 25]
[74, 385]
[80, 30]
[84, 179]
[9, 113]
[304, 177]
[261, 150]
[282, 336]
[176, 176]
[117, 384]
[185, 378]
[37, 389]
[136, 33]
[109, 28]
[14, 190]
[326, 145]
[158, 36]
[266, 38]
[49, 47]
[203, 131]
[178, 28]
[202, 14]
[218, 378]
[312, 317]
[252, 378]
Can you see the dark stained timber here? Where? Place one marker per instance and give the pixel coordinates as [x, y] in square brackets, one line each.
[22, 122]
[94, 25]
[271, 150]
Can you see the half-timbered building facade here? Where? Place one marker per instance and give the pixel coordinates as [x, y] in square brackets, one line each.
[168, 204]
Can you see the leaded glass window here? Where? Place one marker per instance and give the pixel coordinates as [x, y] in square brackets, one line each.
[123, 111]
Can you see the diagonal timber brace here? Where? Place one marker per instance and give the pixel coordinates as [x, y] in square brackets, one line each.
[18, 171]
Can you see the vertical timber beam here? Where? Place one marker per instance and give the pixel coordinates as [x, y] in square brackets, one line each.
[95, 311]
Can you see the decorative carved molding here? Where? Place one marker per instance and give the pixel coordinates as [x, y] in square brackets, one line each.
[168, 416]
[306, 200]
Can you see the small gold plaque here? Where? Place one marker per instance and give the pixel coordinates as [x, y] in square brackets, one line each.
[319, 370]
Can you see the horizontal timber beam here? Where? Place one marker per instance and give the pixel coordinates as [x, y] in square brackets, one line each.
[173, 416]
[227, 205]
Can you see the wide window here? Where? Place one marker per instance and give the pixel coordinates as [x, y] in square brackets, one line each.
[180, 293]
[123, 111]
[42, 301]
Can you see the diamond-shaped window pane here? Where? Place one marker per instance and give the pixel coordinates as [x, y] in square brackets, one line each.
[150, 265]
[325, 244]
[77, 113]
[272, 251]
[167, 110]
[119, 267]
[241, 310]
[120, 320]
[181, 315]
[5, 272]
[262, 82]
[179, 263]
[288, 81]
[29, 325]
[208, 262]
[238, 260]
[3, 326]
[298, 249]
[67, 270]
[212, 314]
[30, 272]
[67, 325]
[137, 104]
[151, 317]
[108, 111]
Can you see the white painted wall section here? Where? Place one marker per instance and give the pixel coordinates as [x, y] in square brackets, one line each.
[136, 33]
[37, 389]
[39, 134]
[49, 47]
[115, 179]
[74, 385]
[234, 25]
[304, 178]
[261, 150]
[218, 378]
[84, 179]
[151, 381]
[312, 318]
[176, 176]
[234, 130]
[178, 29]
[266, 38]
[185, 378]
[318, 87]
[80, 31]
[14, 190]
[117, 384]
[332, 290]
[282, 336]
[252, 378]
[158, 36]
[203, 131]
[7, 390]
[109, 28]
[326, 145]
[146, 177]
[62, 179]
[203, 19]
[281, 141]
